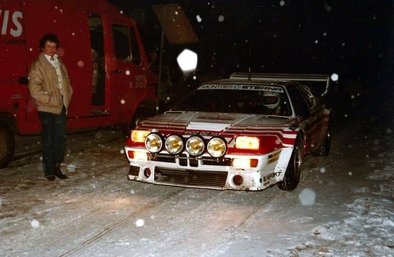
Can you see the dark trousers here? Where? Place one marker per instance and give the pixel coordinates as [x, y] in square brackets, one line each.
[53, 140]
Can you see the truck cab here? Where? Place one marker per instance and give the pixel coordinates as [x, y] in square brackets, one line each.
[104, 55]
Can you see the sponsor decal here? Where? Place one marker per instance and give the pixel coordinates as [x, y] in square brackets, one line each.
[273, 157]
[13, 41]
[201, 133]
[270, 176]
[11, 23]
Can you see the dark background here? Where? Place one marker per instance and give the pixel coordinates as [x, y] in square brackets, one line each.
[353, 39]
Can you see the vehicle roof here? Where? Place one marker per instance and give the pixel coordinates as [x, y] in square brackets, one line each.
[275, 79]
[279, 76]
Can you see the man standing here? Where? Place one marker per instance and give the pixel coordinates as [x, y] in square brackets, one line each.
[49, 85]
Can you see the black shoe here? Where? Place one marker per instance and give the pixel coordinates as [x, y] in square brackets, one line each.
[51, 177]
[60, 175]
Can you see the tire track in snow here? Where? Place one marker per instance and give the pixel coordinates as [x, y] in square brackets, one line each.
[214, 235]
[248, 219]
[119, 224]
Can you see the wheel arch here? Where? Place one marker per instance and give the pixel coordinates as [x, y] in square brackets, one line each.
[145, 109]
[7, 139]
[7, 119]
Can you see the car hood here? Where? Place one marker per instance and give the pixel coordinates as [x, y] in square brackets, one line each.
[214, 122]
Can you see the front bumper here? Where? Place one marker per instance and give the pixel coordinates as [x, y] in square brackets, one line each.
[210, 173]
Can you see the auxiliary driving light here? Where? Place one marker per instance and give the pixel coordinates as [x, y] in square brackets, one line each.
[216, 147]
[154, 143]
[174, 144]
[195, 146]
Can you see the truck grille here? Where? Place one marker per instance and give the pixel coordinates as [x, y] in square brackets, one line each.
[191, 177]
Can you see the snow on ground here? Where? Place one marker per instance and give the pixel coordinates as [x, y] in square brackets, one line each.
[342, 207]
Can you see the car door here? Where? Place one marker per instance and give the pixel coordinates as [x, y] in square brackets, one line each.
[315, 120]
[303, 107]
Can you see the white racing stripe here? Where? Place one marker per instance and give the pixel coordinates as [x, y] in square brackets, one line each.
[207, 126]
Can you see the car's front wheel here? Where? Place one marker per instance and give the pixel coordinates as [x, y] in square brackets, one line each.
[293, 172]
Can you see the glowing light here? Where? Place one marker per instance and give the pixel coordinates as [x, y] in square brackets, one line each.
[334, 77]
[247, 143]
[140, 155]
[139, 135]
[241, 163]
[187, 60]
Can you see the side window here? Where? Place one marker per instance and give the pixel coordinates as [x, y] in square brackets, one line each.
[309, 98]
[121, 42]
[135, 51]
[97, 57]
[126, 46]
[297, 99]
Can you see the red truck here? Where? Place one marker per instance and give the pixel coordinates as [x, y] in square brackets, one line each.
[104, 54]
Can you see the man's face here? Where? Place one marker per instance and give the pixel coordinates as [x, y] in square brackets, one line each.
[50, 48]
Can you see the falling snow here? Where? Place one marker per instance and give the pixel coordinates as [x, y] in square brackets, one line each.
[342, 207]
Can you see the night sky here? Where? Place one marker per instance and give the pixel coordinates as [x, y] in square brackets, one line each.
[351, 38]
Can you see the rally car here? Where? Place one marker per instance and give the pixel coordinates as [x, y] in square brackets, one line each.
[247, 132]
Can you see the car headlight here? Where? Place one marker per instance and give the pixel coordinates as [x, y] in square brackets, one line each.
[139, 135]
[174, 144]
[153, 143]
[195, 146]
[244, 142]
[216, 147]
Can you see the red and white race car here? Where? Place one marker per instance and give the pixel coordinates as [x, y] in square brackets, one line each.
[248, 132]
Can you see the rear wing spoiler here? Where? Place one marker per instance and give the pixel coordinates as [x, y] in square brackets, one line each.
[311, 80]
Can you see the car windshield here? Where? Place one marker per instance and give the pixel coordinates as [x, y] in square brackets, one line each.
[252, 99]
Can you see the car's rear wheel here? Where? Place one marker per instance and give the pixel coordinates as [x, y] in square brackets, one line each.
[293, 172]
[324, 149]
[7, 145]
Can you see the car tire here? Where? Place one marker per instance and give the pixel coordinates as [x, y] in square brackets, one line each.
[293, 172]
[324, 149]
[7, 145]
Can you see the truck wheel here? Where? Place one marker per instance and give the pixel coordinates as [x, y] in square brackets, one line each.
[7, 145]
[293, 171]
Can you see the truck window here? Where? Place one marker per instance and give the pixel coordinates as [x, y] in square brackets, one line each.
[135, 50]
[126, 47]
[97, 58]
